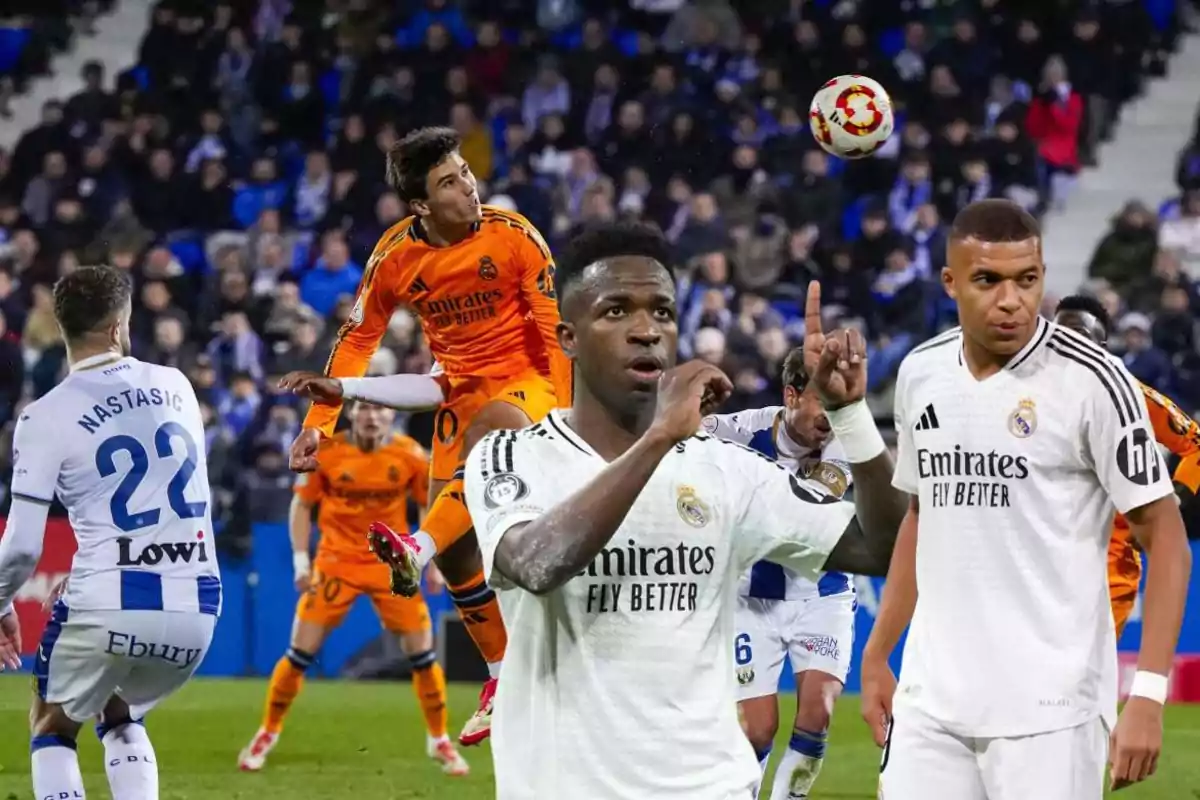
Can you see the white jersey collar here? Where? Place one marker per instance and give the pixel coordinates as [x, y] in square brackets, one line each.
[99, 360]
[1023, 355]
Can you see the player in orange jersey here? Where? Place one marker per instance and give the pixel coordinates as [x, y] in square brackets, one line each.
[481, 280]
[364, 473]
[1173, 429]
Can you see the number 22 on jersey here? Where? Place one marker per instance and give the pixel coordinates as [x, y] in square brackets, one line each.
[139, 466]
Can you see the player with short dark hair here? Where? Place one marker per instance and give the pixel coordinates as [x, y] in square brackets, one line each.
[781, 614]
[120, 442]
[1173, 429]
[1016, 437]
[481, 282]
[615, 535]
[87, 300]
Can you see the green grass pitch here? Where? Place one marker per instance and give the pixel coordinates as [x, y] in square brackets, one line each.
[367, 740]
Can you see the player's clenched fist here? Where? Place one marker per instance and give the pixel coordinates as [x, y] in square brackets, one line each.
[1136, 742]
[685, 394]
[303, 457]
[836, 362]
[313, 385]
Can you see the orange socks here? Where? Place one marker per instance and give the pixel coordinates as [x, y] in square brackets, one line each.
[448, 519]
[480, 612]
[429, 685]
[286, 682]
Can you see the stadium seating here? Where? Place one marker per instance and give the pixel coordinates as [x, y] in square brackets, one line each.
[200, 170]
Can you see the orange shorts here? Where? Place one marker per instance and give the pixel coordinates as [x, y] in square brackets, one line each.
[336, 585]
[531, 392]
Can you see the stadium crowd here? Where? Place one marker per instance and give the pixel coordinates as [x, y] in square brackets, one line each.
[237, 172]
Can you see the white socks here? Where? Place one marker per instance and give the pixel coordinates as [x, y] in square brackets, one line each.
[55, 768]
[130, 763]
[799, 766]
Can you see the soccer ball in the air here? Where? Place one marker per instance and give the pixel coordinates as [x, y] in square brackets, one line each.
[851, 116]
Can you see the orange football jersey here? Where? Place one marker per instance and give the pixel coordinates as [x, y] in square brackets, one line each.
[486, 304]
[1180, 434]
[355, 488]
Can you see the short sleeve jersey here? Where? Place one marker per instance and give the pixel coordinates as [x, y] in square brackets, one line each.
[628, 662]
[1017, 476]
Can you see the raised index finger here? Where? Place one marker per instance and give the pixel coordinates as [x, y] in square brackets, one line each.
[812, 309]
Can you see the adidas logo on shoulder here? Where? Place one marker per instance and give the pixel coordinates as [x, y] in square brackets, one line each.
[928, 420]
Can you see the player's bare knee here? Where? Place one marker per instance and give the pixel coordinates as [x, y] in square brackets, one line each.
[760, 721]
[307, 639]
[494, 416]
[115, 716]
[814, 706]
[48, 719]
[415, 642]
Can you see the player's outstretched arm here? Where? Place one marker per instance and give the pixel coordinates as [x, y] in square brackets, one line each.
[540, 549]
[837, 366]
[403, 392]
[356, 342]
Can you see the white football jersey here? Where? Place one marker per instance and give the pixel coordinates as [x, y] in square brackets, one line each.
[619, 684]
[1017, 476]
[121, 442]
[762, 430]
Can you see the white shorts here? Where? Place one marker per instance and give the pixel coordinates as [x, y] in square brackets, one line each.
[86, 657]
[816, 634]
[923, 760]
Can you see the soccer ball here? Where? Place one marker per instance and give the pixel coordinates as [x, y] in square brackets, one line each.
[851, 116]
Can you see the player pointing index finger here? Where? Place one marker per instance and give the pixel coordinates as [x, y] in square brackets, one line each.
[589, 560]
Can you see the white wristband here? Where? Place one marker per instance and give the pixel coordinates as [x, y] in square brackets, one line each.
[855, 429]
[348, 387]
[301, 562]
[1149, 685]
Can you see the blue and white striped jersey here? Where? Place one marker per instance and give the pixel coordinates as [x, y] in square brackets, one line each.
[762, 430]
[121, 443]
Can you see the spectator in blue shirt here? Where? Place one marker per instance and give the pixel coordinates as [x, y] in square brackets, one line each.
[333, 275]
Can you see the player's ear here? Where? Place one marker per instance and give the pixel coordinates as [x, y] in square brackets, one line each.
[419, 207]
[566, 338]
[948, 283]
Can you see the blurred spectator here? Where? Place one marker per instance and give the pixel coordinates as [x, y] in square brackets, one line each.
[237, 173]
[1055, 117]
[1144, 361]
[1182, 234]
[1126, 253]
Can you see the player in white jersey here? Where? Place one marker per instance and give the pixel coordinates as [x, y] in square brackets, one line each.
[1017, 437]
[121, 443]
[616, 536]
[781, 613]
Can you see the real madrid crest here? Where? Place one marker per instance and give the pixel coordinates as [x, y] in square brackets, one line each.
[692, 509]
[503, 490]
[831, 476]
[1022, 422]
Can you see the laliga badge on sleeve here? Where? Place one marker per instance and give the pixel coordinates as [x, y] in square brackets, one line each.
[504, 490]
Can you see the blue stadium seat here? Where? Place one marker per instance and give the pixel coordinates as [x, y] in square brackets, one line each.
[626, 42]
[891, 42]
[189, 249]
[852, 219]
[12, 44]
[787, 308]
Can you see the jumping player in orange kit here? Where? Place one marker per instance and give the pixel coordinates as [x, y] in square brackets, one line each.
[481, 281]
[1173, 429]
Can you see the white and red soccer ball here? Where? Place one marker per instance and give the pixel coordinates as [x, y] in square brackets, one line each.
[851, 116]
